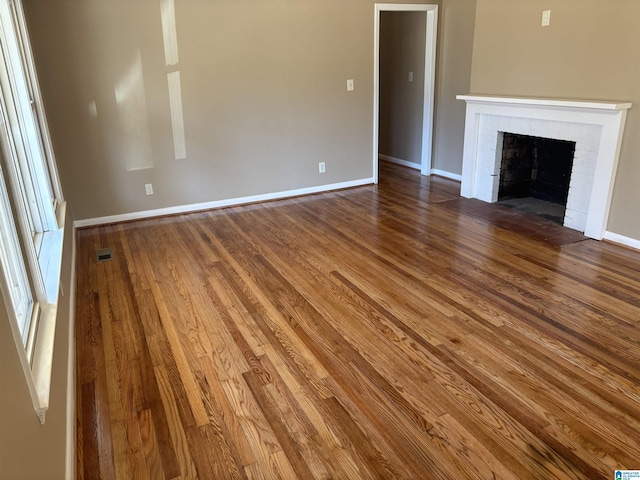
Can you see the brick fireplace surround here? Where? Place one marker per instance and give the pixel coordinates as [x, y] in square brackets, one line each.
[596, 127]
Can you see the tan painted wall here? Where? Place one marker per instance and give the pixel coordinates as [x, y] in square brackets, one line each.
[402, 45]
[589, 51]
[263, 89]
[455, 48]
[29, 450]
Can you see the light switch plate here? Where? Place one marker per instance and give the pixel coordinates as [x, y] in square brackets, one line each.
[546, 18]
[350, 85]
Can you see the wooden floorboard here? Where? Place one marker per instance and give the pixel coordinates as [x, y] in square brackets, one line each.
[389, 331]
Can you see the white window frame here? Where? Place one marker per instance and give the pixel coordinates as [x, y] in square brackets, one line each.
[32, 208]
[17, 88]
[15, 285]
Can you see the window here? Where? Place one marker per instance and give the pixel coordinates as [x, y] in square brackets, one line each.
[31, 207]
[18, 289]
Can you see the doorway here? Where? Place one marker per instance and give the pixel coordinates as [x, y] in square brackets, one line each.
[425, 146]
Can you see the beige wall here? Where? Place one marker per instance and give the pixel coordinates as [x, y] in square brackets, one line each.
[402, 49]
[263, 89]
[29, 450]
[589, 51]
[455, 48]
[263, 86]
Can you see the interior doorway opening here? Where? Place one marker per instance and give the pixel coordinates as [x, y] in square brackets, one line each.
[420, 149]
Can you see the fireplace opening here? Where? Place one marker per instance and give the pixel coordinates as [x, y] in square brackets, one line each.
[535, 173]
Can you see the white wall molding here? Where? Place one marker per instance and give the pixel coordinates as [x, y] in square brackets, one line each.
[70, 460]
[417, 166]
[445, 174]
[399, 161]
[596, 127]
[195, 207]
[622, 240]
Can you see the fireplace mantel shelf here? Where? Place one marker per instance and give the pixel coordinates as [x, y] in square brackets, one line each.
[546, 102]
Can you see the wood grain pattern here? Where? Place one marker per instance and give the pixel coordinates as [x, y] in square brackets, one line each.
[383, 332]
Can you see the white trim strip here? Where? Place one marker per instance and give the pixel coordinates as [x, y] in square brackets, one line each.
[622, 240]
[399, 161]
[445, 174]
[194, 207]
[70, 460]
[428, 112]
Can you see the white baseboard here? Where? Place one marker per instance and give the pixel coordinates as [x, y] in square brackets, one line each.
[399, 161]
[70, 460]
[622, 240]
[417, 166]
[442, 173]
[194, 207]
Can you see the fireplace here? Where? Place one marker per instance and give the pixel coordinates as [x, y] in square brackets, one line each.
[595, 128]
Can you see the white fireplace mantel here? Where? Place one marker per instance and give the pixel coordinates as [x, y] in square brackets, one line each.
[596, 127]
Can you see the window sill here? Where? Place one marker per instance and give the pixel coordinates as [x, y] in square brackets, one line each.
[43, 361]
[50, 260]
[39, 375]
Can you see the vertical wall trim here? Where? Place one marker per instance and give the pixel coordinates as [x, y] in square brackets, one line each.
[70, 460]
[428, 112]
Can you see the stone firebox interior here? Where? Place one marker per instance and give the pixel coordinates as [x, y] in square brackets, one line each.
[535, 174]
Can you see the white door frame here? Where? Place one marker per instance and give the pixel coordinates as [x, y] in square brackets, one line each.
[429, 79]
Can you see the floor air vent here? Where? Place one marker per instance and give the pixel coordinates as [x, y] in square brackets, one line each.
[104, 255]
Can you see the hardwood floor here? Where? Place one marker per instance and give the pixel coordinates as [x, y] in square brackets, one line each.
[365, 333]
